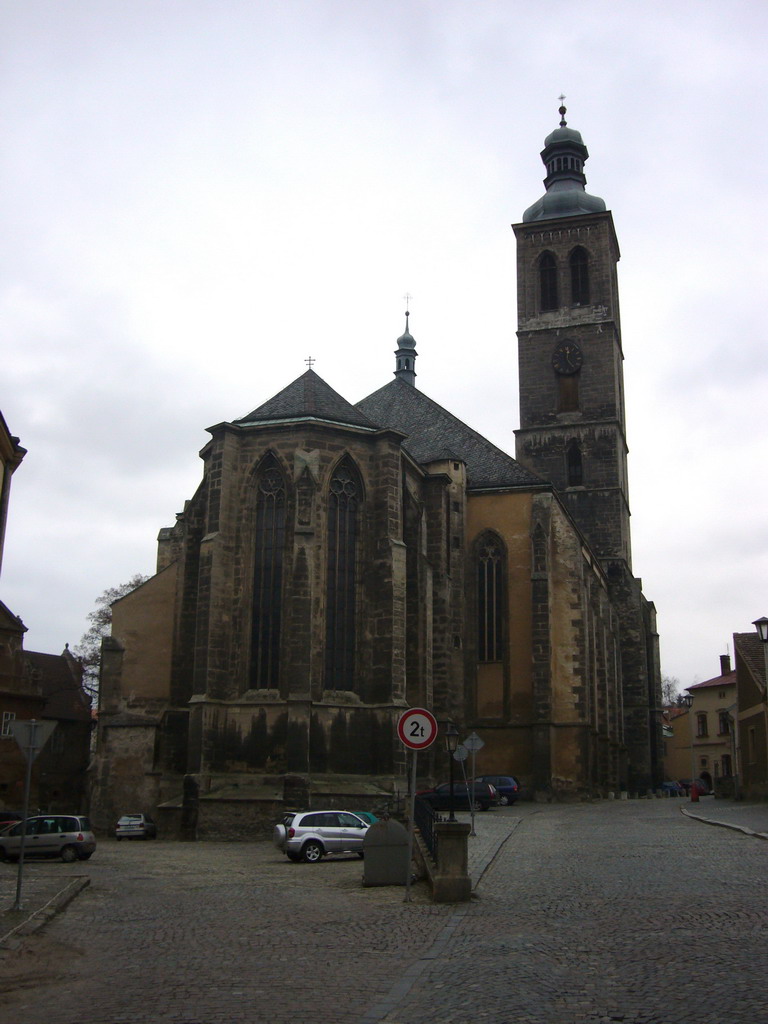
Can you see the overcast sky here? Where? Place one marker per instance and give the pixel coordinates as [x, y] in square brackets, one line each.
[197, 195]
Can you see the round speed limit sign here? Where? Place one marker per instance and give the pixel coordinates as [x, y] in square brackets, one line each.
[417, 728]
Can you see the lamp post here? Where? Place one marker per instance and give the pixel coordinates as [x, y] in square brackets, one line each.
[451, 743]
[761, 625]
[688, 699]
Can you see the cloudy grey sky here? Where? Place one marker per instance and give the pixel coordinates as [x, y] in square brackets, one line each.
[197, 195]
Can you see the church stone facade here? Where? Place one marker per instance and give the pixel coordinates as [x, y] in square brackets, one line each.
[342, 562]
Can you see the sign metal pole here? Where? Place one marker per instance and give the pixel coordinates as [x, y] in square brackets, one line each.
[411, 826]
[417, 729]
[31, 737]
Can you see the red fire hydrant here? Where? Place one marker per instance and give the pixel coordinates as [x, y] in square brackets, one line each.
[694, 793]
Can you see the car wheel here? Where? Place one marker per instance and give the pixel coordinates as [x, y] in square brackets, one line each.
[312, 852]
[3, 856]
[484, 806]
[361, 854]
[85, 856]
[69, 854]
[295, 857]
[503, 801]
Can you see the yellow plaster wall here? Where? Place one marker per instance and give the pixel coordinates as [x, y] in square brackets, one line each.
[142, 622]
[510, 516]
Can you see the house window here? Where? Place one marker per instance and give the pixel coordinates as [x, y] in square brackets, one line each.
[344, 500]
[268, 576]
[8, 718]
[579, 262]
[490, 600]
[723, 724]
[701, 724]
[548, 281]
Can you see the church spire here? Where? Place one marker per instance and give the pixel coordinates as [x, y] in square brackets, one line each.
[564, 156]
[405, 355]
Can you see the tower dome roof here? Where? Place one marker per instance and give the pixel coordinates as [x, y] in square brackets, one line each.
[564, 156]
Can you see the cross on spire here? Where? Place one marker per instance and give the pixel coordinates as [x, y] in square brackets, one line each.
[309, 361]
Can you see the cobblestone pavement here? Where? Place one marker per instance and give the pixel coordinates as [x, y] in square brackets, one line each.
[615, 911]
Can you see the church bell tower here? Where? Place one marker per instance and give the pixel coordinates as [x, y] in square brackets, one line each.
[572, 423]
[572, 427]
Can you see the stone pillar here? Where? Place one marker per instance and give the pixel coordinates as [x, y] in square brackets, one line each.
[451, 882]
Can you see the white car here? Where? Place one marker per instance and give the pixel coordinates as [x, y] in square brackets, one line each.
[310, 835]
[135, 826]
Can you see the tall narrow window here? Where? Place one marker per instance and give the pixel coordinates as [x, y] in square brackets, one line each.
[548, 281]
[268, 577]
[343, 528]
[574, 465]
[490, 600]
[579, 277]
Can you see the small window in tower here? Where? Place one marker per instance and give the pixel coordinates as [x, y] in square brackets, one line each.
[548, 281]
[579, 277]
[568, 393]
[574, 466]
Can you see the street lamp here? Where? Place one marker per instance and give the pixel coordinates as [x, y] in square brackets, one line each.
[688, 701]
[451, 743]
[761, 625]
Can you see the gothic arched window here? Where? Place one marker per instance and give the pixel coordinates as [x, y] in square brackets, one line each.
[268, 576]
[579, 262]
[490, 599]
[344, 503]
[548, 281]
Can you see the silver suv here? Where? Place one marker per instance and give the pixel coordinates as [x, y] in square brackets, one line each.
[309, 835]
[68, 836]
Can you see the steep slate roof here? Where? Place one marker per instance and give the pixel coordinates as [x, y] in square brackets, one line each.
[434, 434]
[729, 679]
[64, 696]
[308, 397]
[750, 647]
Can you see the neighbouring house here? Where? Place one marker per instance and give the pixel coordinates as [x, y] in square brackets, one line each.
[713, 730]
[41, 686]
[677, 743]
[752, 714]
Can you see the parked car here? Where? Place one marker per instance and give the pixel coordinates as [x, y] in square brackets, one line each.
[673, 788]
[310, 835]
[9, 818]
[506, 786]
[368, 816]
[68, 836]
[135, 826]
[439, 798]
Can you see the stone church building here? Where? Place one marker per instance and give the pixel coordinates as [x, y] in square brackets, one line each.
[342, 562]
